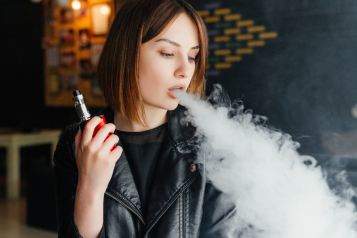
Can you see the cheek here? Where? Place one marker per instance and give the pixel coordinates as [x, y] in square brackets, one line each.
[152, 76]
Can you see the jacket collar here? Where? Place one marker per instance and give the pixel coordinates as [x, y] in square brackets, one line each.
[172, 175]
[177, 132]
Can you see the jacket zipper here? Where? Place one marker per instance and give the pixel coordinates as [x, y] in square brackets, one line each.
[189, 182]
[181, 215]
[122, 203]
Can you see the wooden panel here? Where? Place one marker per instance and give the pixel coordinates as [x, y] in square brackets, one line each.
[69, 33]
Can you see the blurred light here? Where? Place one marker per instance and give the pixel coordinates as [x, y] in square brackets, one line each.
[35, 1]
[62, 2]
[100, 18]
[76, 4]
[105, 10]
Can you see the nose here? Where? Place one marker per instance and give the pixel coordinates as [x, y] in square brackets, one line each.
[184, 68]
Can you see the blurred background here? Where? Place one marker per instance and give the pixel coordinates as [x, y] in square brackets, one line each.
[291, 61]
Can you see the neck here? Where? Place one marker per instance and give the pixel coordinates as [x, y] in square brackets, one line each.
[155, 117]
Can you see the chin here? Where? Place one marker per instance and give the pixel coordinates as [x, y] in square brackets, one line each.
[168, 104]
[171, 106]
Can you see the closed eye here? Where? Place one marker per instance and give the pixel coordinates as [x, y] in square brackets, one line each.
[190, 59]
[166, 55]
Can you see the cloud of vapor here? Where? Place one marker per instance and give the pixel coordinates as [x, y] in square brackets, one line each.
[278, 192]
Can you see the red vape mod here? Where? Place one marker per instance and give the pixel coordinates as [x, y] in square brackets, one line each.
[84, 115]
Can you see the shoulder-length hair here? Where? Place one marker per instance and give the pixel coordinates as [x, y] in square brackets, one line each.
[137, 22]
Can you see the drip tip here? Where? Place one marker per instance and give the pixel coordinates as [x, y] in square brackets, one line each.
[76, 93]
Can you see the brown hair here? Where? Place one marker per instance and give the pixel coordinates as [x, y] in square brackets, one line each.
[137, 22]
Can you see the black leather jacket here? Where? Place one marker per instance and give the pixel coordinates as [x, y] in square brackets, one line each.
[182, 204]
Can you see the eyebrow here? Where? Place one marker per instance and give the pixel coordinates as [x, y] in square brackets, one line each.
[176, 44]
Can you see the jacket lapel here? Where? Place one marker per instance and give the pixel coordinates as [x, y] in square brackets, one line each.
[172, 176]
[122, 184]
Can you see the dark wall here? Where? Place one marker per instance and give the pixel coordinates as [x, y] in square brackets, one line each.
[21, 63]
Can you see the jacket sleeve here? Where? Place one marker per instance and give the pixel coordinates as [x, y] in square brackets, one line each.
[218, 215]
[66, 176]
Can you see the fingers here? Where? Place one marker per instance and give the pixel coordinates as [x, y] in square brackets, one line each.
[115, 154]
[103, 133]
[110, 142]
[89, 129]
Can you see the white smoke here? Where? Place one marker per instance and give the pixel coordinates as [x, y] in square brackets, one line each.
[278, 193]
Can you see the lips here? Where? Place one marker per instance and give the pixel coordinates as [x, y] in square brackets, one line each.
[177, 87]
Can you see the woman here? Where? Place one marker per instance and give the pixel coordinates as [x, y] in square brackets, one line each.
[145, 187]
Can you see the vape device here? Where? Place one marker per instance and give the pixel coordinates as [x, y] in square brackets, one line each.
[84, 115]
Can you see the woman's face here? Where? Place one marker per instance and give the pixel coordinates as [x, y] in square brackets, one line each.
[168, 61]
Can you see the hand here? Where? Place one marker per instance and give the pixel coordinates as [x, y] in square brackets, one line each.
[95, 161]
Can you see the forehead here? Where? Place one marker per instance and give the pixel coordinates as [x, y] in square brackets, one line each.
[182, 30]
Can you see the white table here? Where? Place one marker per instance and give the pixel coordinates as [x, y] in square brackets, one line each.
[13, 142]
